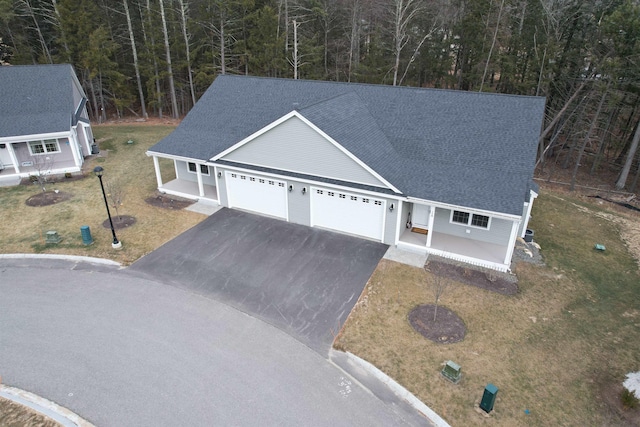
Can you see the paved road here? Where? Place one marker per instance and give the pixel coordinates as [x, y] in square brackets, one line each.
[120, 350]
[302, 280]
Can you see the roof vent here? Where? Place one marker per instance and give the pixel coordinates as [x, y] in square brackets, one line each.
[295, 105]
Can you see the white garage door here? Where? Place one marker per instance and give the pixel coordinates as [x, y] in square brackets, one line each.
[256, 194]
[349, 213]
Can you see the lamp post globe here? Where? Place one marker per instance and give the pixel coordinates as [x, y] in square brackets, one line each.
[98, 171]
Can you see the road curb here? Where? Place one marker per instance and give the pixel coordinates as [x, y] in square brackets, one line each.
[43, 406]
[75, 258]
[397, 389]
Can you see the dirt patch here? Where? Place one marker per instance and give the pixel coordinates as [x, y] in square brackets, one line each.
[168, 202]
[447, 328]
[489, 280]
[611, 395]
[120, 222]
[48, 198]
[13, 414]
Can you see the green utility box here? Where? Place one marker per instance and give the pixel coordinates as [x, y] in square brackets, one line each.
[52, 237]
[452, 372]
[488, 398]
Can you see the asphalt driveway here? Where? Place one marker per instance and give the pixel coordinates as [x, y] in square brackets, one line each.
[302, 280]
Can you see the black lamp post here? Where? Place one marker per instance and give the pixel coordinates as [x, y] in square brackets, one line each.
[98, 170]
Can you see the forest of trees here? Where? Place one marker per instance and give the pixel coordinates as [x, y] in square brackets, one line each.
[157, 57]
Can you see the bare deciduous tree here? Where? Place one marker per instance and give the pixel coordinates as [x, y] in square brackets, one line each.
[439, 286]
[42, 166]
[115, 194]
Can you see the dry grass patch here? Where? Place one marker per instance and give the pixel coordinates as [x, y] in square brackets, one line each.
[23, 227]
[553, 348]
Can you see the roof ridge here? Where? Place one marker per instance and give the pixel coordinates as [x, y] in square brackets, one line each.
[383, 86]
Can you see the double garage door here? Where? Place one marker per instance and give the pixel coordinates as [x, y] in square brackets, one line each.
[334, 210]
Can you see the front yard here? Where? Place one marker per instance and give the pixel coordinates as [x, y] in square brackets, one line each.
[558, 350]
[23, 228]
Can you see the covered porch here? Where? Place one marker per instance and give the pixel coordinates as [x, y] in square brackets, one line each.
[189, 190]
[198, 184]
[432, 229]
[474, 252]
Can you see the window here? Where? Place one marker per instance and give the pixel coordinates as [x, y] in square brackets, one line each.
[480, 221]
[204, 169]
[460, 217]
[44, 147]
[474, 220]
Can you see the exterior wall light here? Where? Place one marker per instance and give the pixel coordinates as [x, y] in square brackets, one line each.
[219, 174]
[290, 188]
[391, 207]
[304, 190]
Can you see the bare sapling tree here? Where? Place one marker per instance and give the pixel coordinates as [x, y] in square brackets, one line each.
[115, 194]
[439, 285]
[42, 166]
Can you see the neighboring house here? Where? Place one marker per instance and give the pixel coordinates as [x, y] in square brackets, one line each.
[44, 126]
[430, 171]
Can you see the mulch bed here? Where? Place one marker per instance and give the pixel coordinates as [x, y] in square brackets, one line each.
[491, 281]
[168, 202]
[448, 328]
[120, 222]
[48, 198]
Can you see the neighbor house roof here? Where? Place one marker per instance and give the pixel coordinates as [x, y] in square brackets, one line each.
[463, 148]
[36, 99]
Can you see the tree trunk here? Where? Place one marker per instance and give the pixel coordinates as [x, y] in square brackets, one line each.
[493, 43]
[594, 121]
[172, 88]
[622, 180]
[136, 65]
[185, 35]
[223, 60]
[152, 52]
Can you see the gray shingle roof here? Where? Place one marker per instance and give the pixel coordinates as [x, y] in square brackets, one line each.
[35, 99]
[464, 148]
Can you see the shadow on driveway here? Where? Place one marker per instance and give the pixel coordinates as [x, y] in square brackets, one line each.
[302, 280]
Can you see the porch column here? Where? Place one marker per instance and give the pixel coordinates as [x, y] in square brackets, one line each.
[200, 184]
[156, 166]
[14, 159]
[399, 225]
[432, 216]
[74, 146]
[512, 242]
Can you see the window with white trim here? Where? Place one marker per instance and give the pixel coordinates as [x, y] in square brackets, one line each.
[473, 220]
[44, 147]
[204, 169]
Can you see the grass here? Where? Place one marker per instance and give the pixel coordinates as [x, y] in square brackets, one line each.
[555, 349]
[15, 415]
[22, 228]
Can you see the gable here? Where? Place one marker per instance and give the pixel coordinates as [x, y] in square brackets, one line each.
[295, 146]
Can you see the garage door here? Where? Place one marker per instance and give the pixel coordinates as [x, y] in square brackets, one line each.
[349, 213]
[257, 194]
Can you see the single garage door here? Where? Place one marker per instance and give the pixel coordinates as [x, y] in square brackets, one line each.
[349, 213]
[256, 194]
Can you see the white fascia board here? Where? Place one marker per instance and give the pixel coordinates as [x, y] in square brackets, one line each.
[311, 182]
[35, 137]
[254, 135]
[295, 113]
[174, 157]
[493, 214]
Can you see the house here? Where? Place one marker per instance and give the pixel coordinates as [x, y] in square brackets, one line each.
[44, 125]
[430, 171]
